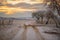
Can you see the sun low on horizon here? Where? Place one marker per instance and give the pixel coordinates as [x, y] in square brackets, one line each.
[9, 10]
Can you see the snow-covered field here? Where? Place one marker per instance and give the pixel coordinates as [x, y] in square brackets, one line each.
[18, 32]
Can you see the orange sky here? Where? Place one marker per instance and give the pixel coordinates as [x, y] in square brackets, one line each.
[9, 10]
[26, 1]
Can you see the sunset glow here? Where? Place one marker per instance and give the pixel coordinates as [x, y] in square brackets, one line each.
[26, 1]
[9, 10]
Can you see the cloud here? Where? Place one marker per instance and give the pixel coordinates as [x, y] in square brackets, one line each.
[9, 5]
[38, 6]
[29, 6]
[23, 5]
[1, 4]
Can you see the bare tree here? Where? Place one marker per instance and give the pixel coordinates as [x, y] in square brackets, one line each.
[55, 5]
[38, 15]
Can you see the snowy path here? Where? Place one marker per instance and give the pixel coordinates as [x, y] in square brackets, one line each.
[15, 32]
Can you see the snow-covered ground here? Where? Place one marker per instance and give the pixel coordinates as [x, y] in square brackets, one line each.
[18, 32]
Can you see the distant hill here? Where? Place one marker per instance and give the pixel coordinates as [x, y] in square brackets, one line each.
[23, 18]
